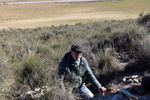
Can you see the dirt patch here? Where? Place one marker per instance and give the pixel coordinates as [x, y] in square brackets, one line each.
[131, 86]
[125, 81]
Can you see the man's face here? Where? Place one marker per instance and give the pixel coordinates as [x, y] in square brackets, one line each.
[76, 55]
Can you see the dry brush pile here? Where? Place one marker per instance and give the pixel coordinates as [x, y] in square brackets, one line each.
[29, 57]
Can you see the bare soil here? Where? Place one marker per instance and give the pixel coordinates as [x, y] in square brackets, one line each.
[132, 87]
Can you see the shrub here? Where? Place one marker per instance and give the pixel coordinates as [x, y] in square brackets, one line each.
[30, 73]
[143, 49]
[145, 20]
[46, 36]
[108, 63]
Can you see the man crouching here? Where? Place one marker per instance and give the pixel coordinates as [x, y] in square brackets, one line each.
[73, 67]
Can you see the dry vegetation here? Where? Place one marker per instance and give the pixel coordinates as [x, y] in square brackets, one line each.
[29, 57]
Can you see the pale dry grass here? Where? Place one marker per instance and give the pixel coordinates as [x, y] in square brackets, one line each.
[65, 19]
[36, 15]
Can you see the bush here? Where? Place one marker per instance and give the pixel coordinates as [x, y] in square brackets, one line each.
[30, 72]
[145, 20]
[143, 49]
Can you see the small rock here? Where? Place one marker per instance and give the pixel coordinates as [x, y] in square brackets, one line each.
[37, 89]
[136, 80]
[124, 79]
[29, 92]
[134, 76]
[130, 80]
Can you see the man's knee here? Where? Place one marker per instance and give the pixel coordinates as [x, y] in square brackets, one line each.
[86, 92]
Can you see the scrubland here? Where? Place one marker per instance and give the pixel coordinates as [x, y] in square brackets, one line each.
[33, 39]
[30, 57]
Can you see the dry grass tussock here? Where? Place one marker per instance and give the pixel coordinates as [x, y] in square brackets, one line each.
[29, 57]
[143, 52]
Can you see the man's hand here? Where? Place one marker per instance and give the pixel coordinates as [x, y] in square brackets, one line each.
[102, 90]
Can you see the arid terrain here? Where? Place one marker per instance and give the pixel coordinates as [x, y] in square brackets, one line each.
[115, 36]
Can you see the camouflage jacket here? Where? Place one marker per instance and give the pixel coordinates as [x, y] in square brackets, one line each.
[73, 71]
